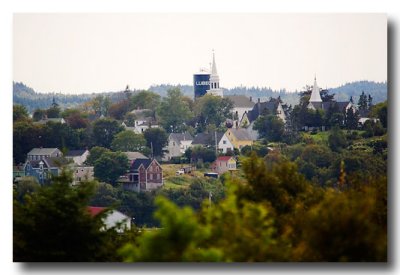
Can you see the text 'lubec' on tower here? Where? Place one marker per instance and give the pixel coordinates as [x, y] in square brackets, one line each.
[205, 82]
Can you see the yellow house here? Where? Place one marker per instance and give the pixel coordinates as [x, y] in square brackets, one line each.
[239, 137]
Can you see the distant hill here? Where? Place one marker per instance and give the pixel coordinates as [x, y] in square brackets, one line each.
[32, 100]
[378, 91]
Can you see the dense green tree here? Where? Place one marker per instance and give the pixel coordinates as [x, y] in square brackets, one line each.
[20, 112]
[347, 223]
[95, 153]
[24, 187]
[211, 109]
[337, 139]
[75, 118]
[319, 155]
[174, 112]
[26, 136]
[104, 131]
[39, 114]
[53, 228]
[373, 128]
[100, 105]
[336, 120]
[369, 102]
[280, 184]
[201, 154]
[53, 112]
[156, 139]
[145, 100]
[119, 109]
[62, 136]
[270, 127]
[105, 195]
[186, 237]
[129, 119]
[351, 119]
[110, 166]
[380, 111]
[363, 102]
[126, 141]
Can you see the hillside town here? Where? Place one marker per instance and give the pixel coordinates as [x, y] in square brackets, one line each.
[187, 149]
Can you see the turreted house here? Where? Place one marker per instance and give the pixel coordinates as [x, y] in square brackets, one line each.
[44, 169]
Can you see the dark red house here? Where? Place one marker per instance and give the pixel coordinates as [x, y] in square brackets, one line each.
[144, 175]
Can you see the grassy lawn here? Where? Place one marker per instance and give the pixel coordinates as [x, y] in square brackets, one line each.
[319, 137]
[172, 181]
[176, 182]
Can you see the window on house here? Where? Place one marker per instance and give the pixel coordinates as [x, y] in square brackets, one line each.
[151, 176]
[224, 142]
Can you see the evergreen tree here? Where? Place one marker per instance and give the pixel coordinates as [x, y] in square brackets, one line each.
[363, 102]
[351, 119]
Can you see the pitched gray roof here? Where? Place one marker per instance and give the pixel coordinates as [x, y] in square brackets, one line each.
[42, 151]
[135, 155]
[137, 162]
[262, 107]
[178, 137]
[75, 153]
[49, 162]
[330, 104]
[241, 101]
[240, 133]
[207, 138]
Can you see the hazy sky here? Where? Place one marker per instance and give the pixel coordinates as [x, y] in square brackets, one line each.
[82, 53]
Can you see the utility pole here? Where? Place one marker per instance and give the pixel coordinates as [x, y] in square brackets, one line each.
[209, 198]
[216, 144]
[151, 145]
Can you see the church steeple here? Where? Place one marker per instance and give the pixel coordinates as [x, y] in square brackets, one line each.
[214, 78]
[315, 95]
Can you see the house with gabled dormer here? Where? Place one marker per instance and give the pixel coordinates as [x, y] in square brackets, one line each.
[144, 175]
[273, 107]
[42, 153]
[212, 139]
[44, 169]
[178, 143]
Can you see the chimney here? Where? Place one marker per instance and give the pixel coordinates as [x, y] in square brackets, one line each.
[251, 99]
[258, 100]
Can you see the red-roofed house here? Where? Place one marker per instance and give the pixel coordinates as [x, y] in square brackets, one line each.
[113, 218]
[223, 164]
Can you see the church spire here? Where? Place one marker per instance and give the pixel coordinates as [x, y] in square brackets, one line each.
[214, 80]
[315, 95]
[214, 66]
